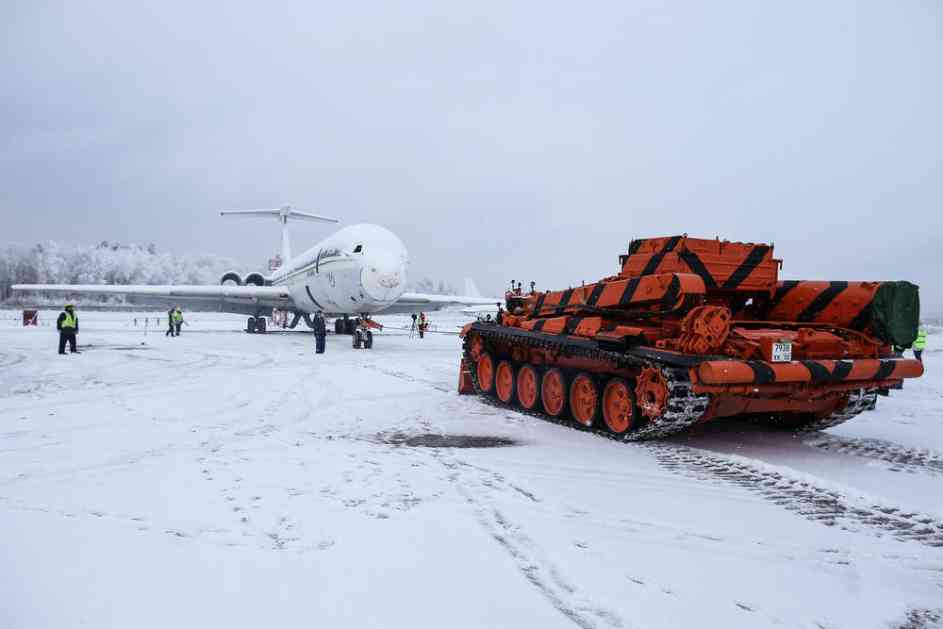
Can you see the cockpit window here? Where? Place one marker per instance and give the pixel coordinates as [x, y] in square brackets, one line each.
[358, 249]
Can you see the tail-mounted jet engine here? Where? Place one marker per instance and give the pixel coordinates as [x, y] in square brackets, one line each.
[231, 277]
[256, 279]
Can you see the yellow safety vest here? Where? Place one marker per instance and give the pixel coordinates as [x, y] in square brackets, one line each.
[178, 316]
[69, 321]
[921, 341]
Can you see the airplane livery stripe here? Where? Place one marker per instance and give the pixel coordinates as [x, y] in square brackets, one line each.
[311, 297]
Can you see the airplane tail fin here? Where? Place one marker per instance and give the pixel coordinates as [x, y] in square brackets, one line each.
[282, 214]
[471, 289]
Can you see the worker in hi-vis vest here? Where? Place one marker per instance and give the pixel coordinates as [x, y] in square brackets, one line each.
[920, 344]
[178, 320]
[68, 326]
[170, 322]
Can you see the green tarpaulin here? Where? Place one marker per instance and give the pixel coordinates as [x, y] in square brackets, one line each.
[895, 313]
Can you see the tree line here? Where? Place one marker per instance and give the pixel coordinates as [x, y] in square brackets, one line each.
[115, 263]
[104, 263]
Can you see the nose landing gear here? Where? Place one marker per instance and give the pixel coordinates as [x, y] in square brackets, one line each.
[362, 339]
[362, 336]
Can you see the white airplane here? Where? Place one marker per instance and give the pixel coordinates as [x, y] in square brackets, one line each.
[359, 270]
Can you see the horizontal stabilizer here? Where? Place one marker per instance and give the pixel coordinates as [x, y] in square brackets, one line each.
[283, 212]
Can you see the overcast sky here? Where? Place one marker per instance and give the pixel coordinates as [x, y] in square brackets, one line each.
[499, 140]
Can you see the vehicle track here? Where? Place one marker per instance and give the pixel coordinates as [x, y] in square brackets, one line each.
[438, 386]
[11, 359]
[907, 458]
[922, 619]
[533, 565]
[815, 503]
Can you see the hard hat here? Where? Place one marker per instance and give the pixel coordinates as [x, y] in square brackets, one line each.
[69, 305]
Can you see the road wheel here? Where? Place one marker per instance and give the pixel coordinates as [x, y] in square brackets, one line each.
[356, 340]
[368, 339]
[504, 382]
[528, 387]
[618, 406]
[475, 347]
[651, 392]
[250, 325]
[584, 399]
[553, 392]
[260, 324]
[485, 371]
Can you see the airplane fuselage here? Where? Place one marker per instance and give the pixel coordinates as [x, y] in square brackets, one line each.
[360, 269]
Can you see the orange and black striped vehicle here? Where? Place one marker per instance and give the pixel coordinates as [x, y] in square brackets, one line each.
[692, 330]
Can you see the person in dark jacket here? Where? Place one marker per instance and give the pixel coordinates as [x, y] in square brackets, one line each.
[320, 332]
[68, 326]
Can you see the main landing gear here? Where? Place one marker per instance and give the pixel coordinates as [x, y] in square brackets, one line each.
[346, 325]
[256, 325]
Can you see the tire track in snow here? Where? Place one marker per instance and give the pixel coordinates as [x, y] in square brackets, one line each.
[11, 359]
[533, 566]
[438, 386]
[922, 619]
[912, 459]
[801, 495]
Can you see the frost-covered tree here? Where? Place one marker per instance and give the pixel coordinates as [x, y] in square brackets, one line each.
[104, 263]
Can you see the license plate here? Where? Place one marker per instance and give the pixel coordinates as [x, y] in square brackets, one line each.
[782, 352]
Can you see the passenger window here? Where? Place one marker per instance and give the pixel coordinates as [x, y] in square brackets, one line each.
[358, 249]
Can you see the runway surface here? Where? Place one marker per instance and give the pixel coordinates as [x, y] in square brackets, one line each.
[232, 480]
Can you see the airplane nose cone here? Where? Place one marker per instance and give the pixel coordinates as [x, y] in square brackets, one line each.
[383, 280]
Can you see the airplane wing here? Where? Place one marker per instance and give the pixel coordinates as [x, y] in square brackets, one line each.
[240, 299]
[414, 302]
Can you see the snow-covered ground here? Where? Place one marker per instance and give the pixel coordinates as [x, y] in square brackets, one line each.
[229, 480]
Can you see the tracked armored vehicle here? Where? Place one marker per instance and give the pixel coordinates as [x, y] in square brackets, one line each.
[693, 330]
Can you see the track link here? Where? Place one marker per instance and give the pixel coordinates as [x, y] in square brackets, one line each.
[683, 407]
[859, 401]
